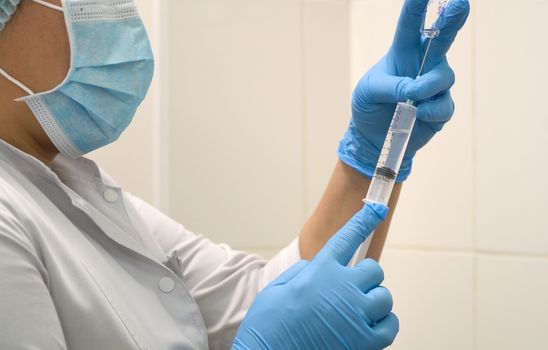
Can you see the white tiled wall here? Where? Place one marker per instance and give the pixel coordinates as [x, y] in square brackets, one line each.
[327, 87]
[257, 95]
[433, 297]
[511, 68]
[511, 302]
[236, 125]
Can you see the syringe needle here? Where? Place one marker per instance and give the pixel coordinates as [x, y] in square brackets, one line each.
[425, 55]
[423, 63]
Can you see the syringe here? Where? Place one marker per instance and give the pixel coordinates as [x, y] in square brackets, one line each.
[394, 146]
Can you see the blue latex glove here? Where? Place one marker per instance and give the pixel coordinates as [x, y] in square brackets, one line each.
[391, 81]
[323, 304]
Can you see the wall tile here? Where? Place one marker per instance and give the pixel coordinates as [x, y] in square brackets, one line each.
[433, 298]
[512, 309]
[327, 90]
[372, 24]
[512, 125]
[236, 151]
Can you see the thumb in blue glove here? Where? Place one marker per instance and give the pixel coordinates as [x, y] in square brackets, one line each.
[323, 304]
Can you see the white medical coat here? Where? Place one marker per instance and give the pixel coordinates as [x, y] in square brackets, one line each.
[84, 265]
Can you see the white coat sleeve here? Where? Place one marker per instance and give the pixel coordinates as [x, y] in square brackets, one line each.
[224, 282]
[28, 319]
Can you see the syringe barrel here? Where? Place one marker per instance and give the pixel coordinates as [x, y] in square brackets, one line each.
[392, 154]
[389, 163]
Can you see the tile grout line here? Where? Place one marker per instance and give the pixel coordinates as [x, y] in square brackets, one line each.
[304, 111]
[162, 109]
[472, 251]
[423, 249]
[474, 183]
[511, 254]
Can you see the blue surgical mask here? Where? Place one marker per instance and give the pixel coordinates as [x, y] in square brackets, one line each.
[111, 70]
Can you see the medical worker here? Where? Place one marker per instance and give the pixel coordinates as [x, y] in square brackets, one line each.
[85, 265]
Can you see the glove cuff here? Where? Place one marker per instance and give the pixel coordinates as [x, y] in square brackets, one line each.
[405, 170]
[362, 155]
[358, 152]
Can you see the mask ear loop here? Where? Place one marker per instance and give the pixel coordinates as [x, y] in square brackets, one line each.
[16, 82]
[48, 5]
[12, 79]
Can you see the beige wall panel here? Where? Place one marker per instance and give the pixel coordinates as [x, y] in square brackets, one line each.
[372, 23]
[433, 298]
[512, 191]
[512, 309]
[236, 122]
[327, 90]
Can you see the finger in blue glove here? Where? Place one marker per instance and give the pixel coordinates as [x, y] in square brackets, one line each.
[323, 304]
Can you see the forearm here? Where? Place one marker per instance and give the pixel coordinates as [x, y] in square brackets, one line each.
[340, 201]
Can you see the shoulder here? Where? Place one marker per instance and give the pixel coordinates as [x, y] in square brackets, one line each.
[10, 195]
[14, 188]
[15, 210]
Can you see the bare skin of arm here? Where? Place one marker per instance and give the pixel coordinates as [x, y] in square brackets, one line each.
[340, 201]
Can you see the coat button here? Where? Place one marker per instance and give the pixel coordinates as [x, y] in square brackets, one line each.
[110, 195]
[166, 284]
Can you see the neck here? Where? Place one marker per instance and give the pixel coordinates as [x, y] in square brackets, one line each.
[19, 128]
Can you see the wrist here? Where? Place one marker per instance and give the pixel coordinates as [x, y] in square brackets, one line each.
[342, 199]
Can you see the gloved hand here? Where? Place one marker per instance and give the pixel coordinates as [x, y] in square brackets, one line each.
[323, 304]
[391, 81]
